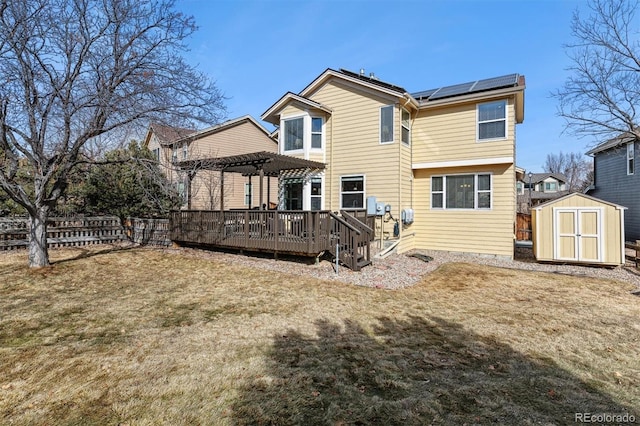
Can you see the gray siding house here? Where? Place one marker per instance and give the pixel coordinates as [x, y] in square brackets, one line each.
[617, 179]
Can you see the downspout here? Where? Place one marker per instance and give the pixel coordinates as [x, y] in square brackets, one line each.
[400, 225]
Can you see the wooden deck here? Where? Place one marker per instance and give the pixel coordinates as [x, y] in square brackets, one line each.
[305, 233]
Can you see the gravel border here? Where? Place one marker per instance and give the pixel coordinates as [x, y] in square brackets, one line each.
[403, 270]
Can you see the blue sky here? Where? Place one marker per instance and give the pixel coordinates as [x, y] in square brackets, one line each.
[258, 50]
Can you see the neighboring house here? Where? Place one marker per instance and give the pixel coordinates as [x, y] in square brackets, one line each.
[539, 188]
[615, 179]
[238, 136]
[444, 156]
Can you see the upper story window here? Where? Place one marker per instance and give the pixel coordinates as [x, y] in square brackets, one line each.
[352, 192]
[316, 133]
[630, 158]
[406, 127]
[184, 151]
[461, 192]
[174, 154]
[492, 120]
[156, 154]
[550, 186]
[294, 134]
[520, 188]
[386, 124]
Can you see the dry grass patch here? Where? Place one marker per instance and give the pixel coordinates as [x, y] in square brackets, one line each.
[147, 337]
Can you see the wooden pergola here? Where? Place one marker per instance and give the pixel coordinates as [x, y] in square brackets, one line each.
[260, 164]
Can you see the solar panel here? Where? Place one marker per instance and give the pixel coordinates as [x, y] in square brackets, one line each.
[496, 82]
[464, 88]
[424, 94]
[456, 89]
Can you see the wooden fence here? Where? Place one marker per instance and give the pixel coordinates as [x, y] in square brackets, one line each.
[523, 227]
[81, 231]
[152, 232]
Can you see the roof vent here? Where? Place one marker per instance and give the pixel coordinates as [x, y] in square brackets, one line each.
[372, 76]
[362, 73]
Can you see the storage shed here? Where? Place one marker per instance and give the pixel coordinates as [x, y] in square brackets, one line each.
[579, 228]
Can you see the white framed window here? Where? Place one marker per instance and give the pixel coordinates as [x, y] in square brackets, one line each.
[248, 192]
[466, 192]
[492, 120]
[184, 151]
[174, 154]
[550, 187]
[352, 192]
[386, 124]
[294, 134]
[406, 127]
[316, 132]
[631, 158]
[316, 193]
[156, 154]
[520, 188]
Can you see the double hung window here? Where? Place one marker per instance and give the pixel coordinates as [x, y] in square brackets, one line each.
[492, 120]
[352, 192]
[630, 158]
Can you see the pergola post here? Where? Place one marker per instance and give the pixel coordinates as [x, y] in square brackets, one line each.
[189, 179]
[221, 190]
[261, 189]
[250, 192]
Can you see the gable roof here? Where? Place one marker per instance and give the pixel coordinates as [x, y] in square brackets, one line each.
[194, 135]
[270, 114]
[613, 143]
[166, 135]
[578, 194]
[503, 85]
[539, 177]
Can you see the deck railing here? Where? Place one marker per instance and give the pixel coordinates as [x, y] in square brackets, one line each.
[306, 233]
[278, 231]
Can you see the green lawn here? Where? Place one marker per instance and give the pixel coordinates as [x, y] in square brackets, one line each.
[142, 337]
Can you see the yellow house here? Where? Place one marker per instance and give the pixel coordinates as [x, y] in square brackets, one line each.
[238, 136]
[442, 159]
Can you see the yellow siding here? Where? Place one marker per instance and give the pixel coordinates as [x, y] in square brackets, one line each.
[449, 134]
[239, 139]
[611, 226]
[353, 146]
[472, 231]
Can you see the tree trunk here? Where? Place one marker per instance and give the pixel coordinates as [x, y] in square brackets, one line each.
[38, 251]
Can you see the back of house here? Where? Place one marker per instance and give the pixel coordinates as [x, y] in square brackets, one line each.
[439, 161]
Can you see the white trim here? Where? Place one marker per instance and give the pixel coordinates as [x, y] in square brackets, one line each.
[403, 110]
[364, 191]
[631, 156]
[577, 236]
[623, 249]
[505, 119]
[475, 192]
[282, 135]
[463, 163]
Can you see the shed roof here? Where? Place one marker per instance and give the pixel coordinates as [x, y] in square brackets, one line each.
[578, 194]
[251, 164]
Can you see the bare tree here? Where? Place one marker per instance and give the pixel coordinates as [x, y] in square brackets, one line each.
[573, 166]
[602, 95]
[76, 70]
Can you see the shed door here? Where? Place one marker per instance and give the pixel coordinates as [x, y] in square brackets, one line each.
[578, 235]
